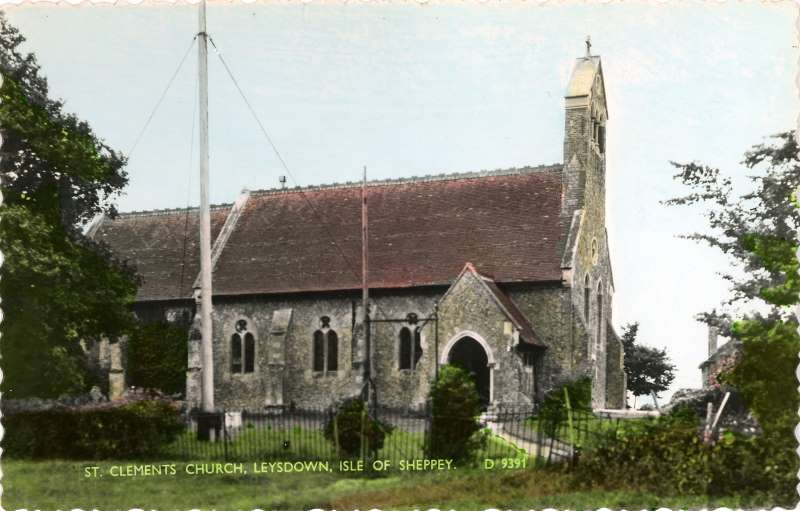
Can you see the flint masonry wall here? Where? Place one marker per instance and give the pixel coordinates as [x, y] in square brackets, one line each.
[555, 320]
[470, 309]
[467, 308]
[615, 380]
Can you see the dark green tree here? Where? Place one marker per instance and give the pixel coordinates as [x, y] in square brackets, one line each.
[157, 356]
[648, 369]
[58, 286]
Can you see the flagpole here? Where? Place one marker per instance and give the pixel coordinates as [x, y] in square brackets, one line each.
[207, 396]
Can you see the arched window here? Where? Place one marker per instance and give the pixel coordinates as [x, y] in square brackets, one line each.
[333, 351]
[417, 347]
[249, 353]
[405, 348]
[599, 315]
[410, 349]
[243, 349]
[587, 294]
[319, 351]
[325, 348]
[236, 353]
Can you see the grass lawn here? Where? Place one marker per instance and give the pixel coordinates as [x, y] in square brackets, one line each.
[589, 430]
[62, 485]
[299, 443]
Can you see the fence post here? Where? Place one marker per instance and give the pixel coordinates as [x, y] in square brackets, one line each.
[224, 435]
[336, 432]
[569, 424]
[363, 441]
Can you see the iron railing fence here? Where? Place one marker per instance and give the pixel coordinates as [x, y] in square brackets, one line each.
[508, 434]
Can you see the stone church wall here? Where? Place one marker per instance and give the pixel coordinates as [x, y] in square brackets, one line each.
[548, 310]
[615, 382]
[467, 308]
[403, 388]
[301, 386]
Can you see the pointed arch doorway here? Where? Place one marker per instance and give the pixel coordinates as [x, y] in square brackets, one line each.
[471, 352]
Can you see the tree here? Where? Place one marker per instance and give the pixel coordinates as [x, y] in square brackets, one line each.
[648, 369]
[759, 231]
[756, 229]
[58, 286]
[157, 356]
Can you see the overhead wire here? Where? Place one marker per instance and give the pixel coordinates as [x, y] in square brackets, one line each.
[161, 98]
[264, 132]
[188, 195]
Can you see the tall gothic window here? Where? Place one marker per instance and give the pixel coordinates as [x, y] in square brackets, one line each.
[405, 348]
[319, 351]
[236, 353]
[410, 348]
[243, 349]
[325, 348]
[249, 353]
[599, 315]
[587, 294]
[333, 351]
[417, 347]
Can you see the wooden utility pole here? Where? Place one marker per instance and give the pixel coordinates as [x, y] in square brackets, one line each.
[207, 396]
[365, 289]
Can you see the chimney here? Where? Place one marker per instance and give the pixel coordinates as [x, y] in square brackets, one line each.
[712, 340]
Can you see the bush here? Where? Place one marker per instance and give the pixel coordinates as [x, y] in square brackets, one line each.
[130, 430]
[353, 429]
[455, 431]
[157, 357]
[667, 456]
[553, 410]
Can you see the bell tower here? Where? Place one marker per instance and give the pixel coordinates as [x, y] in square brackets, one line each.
[585, 116]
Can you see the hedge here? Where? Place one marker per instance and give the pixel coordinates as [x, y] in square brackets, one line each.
[131, 430]
[667, 456]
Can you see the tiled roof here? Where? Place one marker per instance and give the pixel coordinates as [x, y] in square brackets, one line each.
[163, 246]
[421, 232]
[504, 302]
[526, 332]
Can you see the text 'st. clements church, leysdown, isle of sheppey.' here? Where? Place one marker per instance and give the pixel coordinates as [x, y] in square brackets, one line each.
[514, 263]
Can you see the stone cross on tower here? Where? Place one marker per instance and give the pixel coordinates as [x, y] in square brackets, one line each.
[588, 46]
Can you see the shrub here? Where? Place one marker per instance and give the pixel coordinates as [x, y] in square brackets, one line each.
[553, 410]
[157, 357]
[666, 455]
[455, 405]
[130, 430]
[640, 458]
[353, 429]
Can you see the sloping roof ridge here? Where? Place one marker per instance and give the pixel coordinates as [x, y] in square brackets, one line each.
[454, 176]
[490, 285]
[169, 211]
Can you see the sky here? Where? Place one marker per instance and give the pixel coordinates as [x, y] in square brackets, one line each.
[410, 89]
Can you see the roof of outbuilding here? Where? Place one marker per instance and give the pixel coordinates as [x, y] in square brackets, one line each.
[421, 232]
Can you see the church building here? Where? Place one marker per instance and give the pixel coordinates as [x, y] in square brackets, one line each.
[506, 273]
